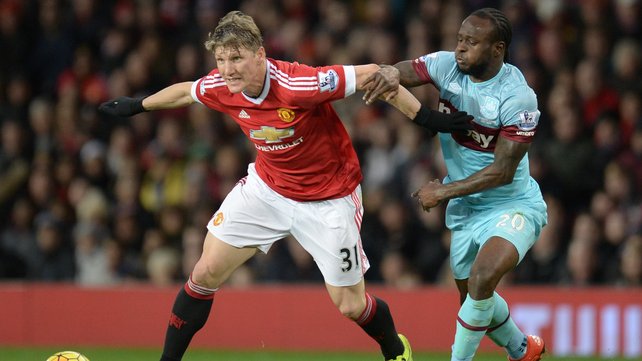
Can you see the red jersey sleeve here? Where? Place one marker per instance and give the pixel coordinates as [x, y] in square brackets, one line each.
[314, 85]
[205, 90]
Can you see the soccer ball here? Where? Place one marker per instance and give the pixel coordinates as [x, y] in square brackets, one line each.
[67, 356]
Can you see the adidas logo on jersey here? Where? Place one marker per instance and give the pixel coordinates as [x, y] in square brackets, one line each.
[243, 114]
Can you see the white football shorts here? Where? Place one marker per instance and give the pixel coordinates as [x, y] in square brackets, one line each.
[254, 215]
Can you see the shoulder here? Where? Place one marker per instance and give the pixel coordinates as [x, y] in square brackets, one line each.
[212, 82]
[440, 67]
[285, 68]
[209, 88]
[514, 88]
[443, 59]
[292, 76]
[513, 80]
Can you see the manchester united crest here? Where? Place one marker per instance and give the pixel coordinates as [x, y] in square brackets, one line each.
[285, 114]
[218, 219]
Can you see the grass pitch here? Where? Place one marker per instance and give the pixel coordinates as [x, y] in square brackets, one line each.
[112, 354]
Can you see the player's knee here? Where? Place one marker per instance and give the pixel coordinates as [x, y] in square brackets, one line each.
[351, 309]
[483, 278]
[206, 275]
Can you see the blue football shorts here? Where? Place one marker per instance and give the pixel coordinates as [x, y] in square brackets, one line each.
[520, 223]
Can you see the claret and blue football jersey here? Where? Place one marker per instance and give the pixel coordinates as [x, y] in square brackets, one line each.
[504, 106]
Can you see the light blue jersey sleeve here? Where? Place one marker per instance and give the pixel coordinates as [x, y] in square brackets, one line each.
[519, 115]
[438, 67]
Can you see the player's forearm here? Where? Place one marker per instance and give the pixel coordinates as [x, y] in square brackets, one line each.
[487, 178]
[174, 96]
[406, 103]
[407, 75]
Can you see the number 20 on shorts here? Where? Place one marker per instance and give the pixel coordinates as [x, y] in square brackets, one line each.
[516, 221]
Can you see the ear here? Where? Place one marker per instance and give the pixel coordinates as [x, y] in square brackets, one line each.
[260, 54]
[499, 48]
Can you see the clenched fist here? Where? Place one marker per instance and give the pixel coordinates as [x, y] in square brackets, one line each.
[123, 106]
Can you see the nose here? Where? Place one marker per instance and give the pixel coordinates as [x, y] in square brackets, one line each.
[225, 68]
[461, 47]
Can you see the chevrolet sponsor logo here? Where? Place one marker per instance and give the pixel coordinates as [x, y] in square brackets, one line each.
[271, 134]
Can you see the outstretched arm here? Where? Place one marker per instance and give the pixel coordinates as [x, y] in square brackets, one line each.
[400, 97]
[174, 96]
[508, 154]
[403, 100]
[387, 80]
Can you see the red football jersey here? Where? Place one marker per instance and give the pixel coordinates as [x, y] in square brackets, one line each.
[303, 150]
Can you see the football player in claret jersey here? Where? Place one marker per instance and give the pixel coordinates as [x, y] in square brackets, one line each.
[304, 181]
[495, 208]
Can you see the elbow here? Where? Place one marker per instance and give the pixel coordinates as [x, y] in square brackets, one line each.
[505, 178]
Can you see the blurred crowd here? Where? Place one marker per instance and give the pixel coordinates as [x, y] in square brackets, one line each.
[100, 201]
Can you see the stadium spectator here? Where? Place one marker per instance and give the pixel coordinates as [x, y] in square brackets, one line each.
[627, 63]
[619, 184]
[54, 258]
[164, 266]
[191, 250]
[568, 156]
[631, 158]
[631, 262]
[14, 164]
[18, 241]
[582, 264]
[596, 95]
[93, 266]
[630, 116]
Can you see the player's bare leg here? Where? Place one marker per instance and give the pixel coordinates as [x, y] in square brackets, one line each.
[480, 302]
[218, 261]
[373, 316]
[194, 300]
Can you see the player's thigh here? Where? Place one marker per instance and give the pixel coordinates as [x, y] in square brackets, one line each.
[463, 250]
[218, 261]
[519, 225]
[330, 232]
[252, 215]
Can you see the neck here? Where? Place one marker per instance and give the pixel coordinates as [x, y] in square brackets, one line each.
[255, 88]
[489, 73]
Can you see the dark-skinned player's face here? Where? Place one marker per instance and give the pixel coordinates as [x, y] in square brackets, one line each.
[475, 43]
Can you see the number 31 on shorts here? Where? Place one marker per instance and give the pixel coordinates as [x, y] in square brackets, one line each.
[347, 259]
[515, 221]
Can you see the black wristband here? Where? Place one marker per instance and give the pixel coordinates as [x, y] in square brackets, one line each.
[137, 106]
[422, 117]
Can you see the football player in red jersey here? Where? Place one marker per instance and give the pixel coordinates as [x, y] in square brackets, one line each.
[304, 181]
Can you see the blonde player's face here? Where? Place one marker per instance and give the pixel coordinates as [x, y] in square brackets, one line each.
[242, 69]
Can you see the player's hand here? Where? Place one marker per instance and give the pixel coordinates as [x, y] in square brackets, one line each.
[122, 106]
[443, 122]
[383, 83]
[427, 195]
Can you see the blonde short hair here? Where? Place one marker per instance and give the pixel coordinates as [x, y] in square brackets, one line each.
[235, 30]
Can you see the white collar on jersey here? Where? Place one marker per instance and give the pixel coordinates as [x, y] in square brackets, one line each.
[266, 87]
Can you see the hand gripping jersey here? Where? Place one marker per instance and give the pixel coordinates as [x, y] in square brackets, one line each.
[503, 106]
[303, 150]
